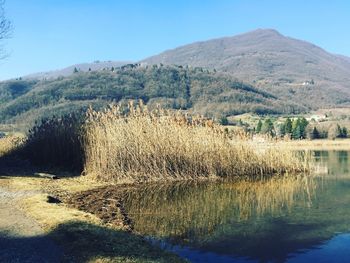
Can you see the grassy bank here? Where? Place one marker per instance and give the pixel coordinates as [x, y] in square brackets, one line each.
[82, 236]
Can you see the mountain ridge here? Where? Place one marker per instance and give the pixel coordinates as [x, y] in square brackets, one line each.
[261, 71]
[69, 70]
[268, 60]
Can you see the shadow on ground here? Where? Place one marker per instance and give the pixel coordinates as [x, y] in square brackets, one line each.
[81, 242]
[15, 165]
[28, 249]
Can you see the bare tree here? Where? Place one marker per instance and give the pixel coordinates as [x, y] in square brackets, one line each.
[5, 28]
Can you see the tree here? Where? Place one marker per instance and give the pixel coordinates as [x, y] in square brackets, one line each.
[339, 131]
[224, 120]
[5, 28]
[296, 129]
[344, 132]
[288, 126]
[303, 124]
[258, 127]
[299, 128]
[267, 127]
[75, 70]
[315, 133]
[334, 131]
[280, 130]
[297, 132]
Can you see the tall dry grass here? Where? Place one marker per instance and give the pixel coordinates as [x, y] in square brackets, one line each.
[135, 144]
[10, 143]
[56, 143]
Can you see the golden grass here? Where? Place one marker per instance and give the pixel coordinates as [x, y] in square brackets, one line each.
[10, 143]
[51, 215]
[147, 146]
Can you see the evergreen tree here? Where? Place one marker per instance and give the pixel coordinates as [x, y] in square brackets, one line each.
[303, 124]
[315, 133]
[339, 132]
[296, 129]
[299, 128]
[224, 120]
[75, 70]
[297, 132]
[258, 127]
[345, 132]
[288, 126]
[267, 127]
[280, 130]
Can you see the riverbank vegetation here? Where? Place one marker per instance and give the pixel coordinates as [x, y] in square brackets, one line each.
[140, 145]
[134, 144]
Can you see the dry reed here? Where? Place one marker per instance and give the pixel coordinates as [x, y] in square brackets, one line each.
[135, 144]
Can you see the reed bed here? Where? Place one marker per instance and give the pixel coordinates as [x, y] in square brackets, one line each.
[135, 144]
[56, 143]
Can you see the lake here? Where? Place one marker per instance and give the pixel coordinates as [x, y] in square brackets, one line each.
[290, 219]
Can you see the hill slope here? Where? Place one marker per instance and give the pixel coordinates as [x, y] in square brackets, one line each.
[289, 68]
[84, 67]
[197, 90]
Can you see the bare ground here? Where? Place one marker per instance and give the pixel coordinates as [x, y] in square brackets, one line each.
[21, 238]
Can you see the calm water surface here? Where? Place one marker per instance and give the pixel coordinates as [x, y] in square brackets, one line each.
[294, 219]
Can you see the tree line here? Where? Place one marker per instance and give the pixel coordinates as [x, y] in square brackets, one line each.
[299, 128]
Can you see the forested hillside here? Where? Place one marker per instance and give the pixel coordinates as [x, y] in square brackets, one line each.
[194, 89]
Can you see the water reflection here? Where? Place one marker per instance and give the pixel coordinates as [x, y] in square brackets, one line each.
[277, 220]
[332, 162]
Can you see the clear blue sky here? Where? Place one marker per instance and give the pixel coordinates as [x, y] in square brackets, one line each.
[51, 34]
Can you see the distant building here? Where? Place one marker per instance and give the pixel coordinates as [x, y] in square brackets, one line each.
[307, 83]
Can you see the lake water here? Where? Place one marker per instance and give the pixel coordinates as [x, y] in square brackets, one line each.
[295, 219]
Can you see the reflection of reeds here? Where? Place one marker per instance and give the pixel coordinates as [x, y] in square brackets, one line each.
[140, 145]
[197, 210]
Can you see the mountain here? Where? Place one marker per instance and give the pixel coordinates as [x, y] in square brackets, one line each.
[345, 58]
[291, 69]
[84, 67]
[194, 89]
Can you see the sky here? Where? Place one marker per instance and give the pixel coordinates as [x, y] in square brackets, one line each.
[53, 34]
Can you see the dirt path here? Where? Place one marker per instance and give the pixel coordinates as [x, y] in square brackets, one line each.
[21, 238]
